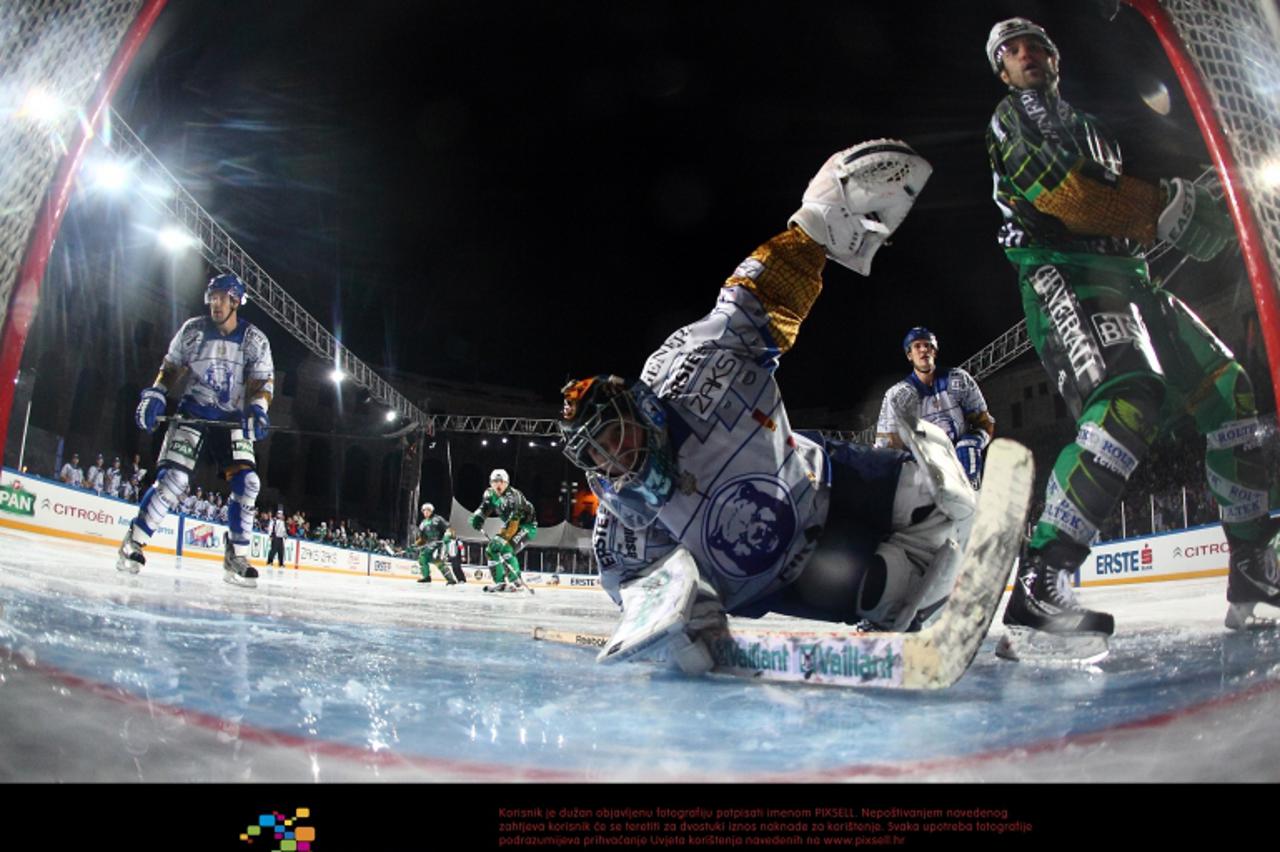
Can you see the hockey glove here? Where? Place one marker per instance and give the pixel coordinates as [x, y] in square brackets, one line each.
[499, 549]
[859, 198]
[1193, 221]
[150, 406]
[477, 521]
[669, 611]
[969, 451]
[254, 422]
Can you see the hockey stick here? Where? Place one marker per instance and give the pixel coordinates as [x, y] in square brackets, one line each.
[933, 658]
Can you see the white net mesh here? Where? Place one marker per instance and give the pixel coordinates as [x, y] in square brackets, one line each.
[52, 55]
[1234, 45]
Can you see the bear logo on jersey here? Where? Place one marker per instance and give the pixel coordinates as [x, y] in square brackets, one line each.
[218, 378]
[749, 525]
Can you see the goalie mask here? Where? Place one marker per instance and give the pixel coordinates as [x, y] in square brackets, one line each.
[859, 198]
[618, 435]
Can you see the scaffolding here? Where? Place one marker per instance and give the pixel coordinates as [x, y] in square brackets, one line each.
[226, 255]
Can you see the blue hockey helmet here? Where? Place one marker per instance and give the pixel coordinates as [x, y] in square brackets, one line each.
[229, 284]
[919, 333]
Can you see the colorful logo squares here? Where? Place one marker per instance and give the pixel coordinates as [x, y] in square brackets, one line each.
[289, 836]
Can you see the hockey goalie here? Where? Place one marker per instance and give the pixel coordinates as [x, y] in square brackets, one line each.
[711, 505]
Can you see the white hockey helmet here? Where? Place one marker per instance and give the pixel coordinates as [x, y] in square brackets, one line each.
[859, 198]
[1011, 29]
[499, 475]
[428, 507]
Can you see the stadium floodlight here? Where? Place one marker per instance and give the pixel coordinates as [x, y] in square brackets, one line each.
[42, 106]
[391, 417]
[109, 174]
[484, 442]
[176, 239]
[336, 375]
[1270, 174]
[504, 439]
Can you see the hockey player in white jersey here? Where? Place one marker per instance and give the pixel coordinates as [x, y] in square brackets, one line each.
[697, 461]
[71, 473]
[93, 478]
[948, 398]
[231, 381]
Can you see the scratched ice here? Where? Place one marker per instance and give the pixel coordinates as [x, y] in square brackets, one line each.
[174, 675]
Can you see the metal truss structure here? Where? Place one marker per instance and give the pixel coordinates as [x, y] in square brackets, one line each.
[223, 253]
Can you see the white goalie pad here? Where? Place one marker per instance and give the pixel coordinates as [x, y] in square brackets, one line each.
[912, 585]
[947, 482]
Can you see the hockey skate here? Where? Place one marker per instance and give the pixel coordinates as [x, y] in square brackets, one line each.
[1044, 622]
[1253, 578]
[130, 559]
[236, 569]
[496, 587]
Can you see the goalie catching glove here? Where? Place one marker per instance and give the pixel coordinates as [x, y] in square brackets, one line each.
[668, 610]
[1193, 221]
[859, 198]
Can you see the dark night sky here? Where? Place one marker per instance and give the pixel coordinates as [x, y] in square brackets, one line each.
[515, 193]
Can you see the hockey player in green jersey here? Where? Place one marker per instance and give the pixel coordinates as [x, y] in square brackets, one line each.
[431, 538]
[1127, 357]
[517, 515]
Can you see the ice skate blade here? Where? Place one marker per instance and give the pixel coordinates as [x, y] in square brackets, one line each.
[1240, 617]
[236, 580]
[1022, 644]
[127, 565]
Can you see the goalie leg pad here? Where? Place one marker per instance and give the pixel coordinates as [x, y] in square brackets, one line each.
[911, 584]
[936, 459]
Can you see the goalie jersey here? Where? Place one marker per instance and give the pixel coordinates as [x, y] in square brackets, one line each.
[751, 495]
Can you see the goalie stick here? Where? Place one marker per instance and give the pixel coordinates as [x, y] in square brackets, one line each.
[933, 658]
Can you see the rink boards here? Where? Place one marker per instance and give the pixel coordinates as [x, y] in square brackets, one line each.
[39, 505]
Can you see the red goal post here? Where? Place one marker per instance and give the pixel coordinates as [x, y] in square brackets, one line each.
[60, 63]
[1226, 54]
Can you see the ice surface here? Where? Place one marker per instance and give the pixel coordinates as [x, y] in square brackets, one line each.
[174, 675]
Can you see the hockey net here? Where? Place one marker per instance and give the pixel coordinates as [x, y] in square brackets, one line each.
[61, 61]
[1227, 56]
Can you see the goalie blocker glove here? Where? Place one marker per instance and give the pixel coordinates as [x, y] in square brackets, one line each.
[1193, 221]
